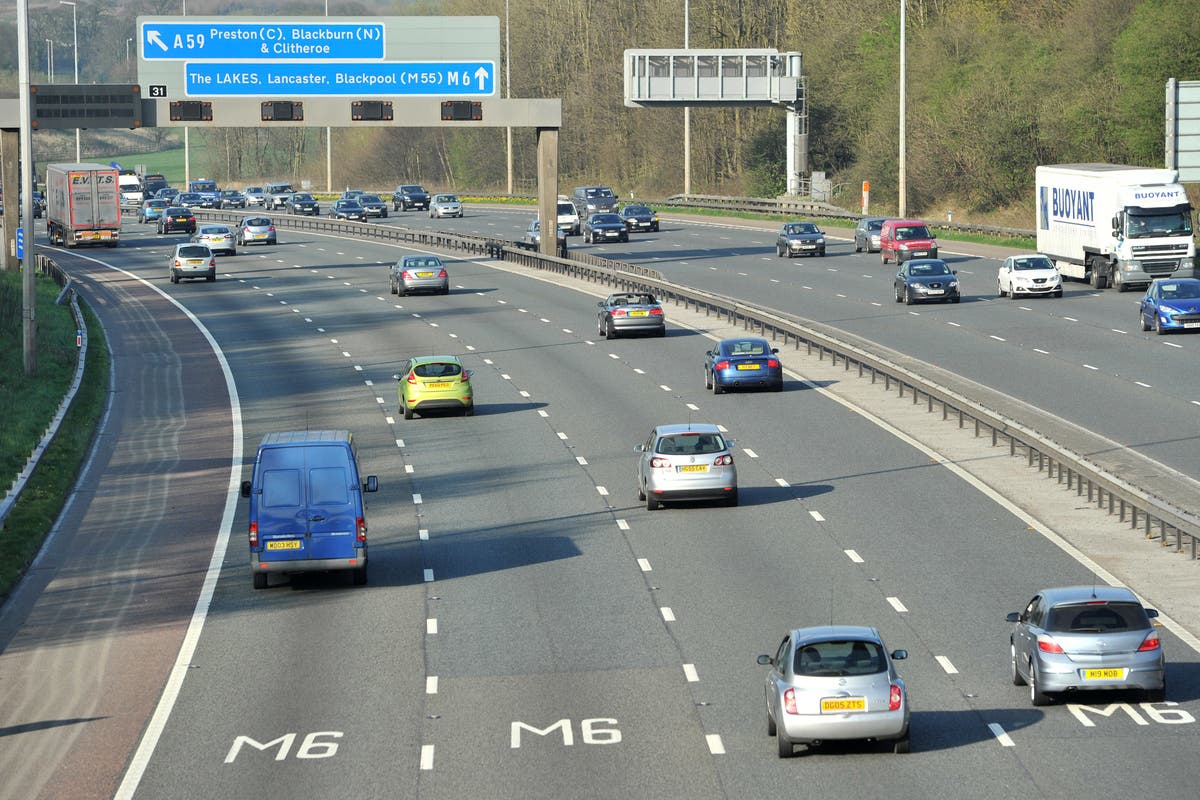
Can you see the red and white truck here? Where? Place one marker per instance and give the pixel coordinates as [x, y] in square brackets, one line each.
[83, 204]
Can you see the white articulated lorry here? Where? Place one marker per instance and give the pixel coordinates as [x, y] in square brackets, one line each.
[1114, 224]
[83, 205]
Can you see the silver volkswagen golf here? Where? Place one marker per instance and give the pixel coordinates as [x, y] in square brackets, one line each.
[693, 461]
[835, 682]
[1083, 638]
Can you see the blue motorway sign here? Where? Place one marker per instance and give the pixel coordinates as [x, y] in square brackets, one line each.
[399, 78]
[256, 40]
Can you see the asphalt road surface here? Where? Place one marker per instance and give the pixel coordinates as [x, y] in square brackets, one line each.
[530, 629]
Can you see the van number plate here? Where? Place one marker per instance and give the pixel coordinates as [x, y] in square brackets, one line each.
[284, 544]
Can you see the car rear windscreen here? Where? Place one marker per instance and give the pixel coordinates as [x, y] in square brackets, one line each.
[1097, 617]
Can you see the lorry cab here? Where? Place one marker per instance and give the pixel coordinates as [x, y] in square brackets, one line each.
[307, 511]
[903, 239]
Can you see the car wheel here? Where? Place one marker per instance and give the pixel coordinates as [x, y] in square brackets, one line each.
[1117, 283]
[1158, 328]
[956, 299]
[731, 499]
[908, 299]
[601, 330]
[897, 290]
[717, 387]
[902, 745]
[652, 503]
[210, 277]
[883, 256]
[174, 277]
[786, 748]
[771, 729]
[1012, 293]
[233, 252]
[385, 213]
[392, 287]
[857, 246]
[999, 289]
[1036, 696]
[408, 412]
[260, 580]
[1142, 320]
[822, 253]
[360, 576]
[1058, 293]
[1014, 673]
[610, 330]
[707, 380]
[401, 291]
[469, 411]
[778, 251]
[641, 492]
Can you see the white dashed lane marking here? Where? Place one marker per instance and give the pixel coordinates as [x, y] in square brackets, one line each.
[1003, 738]
[946, 665]
[817, 516]
[715, 746]
[426, 757]
[896, 604]
[431, 684]
[689, 672]
[853, 556]
[431, 626]
[667, 614]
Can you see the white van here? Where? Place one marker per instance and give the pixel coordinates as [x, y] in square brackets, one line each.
[131, 190]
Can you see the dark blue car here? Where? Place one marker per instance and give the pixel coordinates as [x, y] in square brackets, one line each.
[745, 363]
[1171, 305]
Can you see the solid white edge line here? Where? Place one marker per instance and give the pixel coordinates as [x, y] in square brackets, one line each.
[166, 701]
[426, 757]
[715, 746]
[1003, 738]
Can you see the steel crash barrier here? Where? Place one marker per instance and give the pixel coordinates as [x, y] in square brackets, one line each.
[1080, 461]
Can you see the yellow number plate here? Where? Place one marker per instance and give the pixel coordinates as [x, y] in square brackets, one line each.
[194, 262]
[693, 467]
[284, 544]
[841, 705]
[748, 366]
[438, 385]
[424, 274]
[1104, 674]
[639, 313]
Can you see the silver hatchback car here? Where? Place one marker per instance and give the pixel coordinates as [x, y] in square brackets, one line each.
[835, 682]
[1083, 638]
[419, 274]
[692, 461]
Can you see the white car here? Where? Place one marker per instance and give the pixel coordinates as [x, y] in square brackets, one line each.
[445, 205]
[254, 195]
[1028, 274]
[568, 217]
[219, 239]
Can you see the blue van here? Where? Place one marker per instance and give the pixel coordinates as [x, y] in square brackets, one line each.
[306, 505]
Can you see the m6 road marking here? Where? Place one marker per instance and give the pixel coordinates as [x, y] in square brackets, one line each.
[314, 745]
[1170, 715]
[590, 731]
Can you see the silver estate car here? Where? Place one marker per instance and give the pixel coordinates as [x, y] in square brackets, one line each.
[1083, 638]
[835, 682]
[691, 461]
[419, 274]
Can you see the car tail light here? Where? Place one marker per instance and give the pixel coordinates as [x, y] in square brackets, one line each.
[619, 312]
[659, 463]
[656, 312]
[178, 263]
[442, 274]
[271, 228]
[895, 697]
[405, 275]
[212, 262]
[464, 377]
[1149, 643]
[723, 461]
[254, 534]
[773, 363]
[412, 378]
[789, 701]
[360, 525]
[721, 365]
[1047, 644]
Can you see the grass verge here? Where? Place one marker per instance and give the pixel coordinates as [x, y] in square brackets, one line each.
[31, 519]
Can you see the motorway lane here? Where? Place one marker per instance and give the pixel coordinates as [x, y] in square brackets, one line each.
[1048, 352]
[923, 564]
[102, 611]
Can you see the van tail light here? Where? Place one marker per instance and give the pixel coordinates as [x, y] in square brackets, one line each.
[721, 365]
[895, 697]
[1047, 644]
[773, 363]
[1149, 643]
[789, 701]
[659, 463]
[723, 461]
[360, 526]
[442, 274]
[254, 534]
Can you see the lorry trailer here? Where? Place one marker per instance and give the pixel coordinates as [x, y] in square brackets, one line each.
[1113, 224]
[83, 205]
